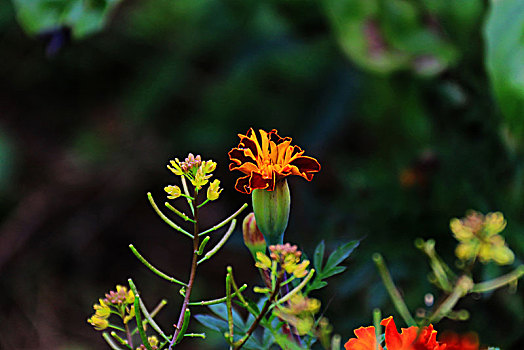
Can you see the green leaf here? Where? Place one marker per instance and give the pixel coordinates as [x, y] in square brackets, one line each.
[83, 16]
[333, 271]
[317, 284]
[212, 322]
[505, 63]
[318, 256]
[339, 255]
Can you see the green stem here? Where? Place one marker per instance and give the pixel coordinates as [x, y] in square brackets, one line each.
[462, 287]
[151, 315]
[154, 269]
[178, 212]
[186, 191]
[165, 218]
[237, 345]
[216, 227]
[220, 300]
[110, 341]
[151, 321]
[219, 245]
[398, 301]
[499, 281]
[297, 288]
[192, 274]
[229, 308]
[138, 316]
[120, 340]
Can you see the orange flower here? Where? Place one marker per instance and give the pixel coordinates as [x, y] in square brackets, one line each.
[410, 338]
[268, 161]
[453, 341]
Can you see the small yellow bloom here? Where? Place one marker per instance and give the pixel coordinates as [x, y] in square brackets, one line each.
[102, 310]
[213, 191]
[478, 237]
[299, 312]
[173, 191]
[209, 166]
[98, 322]
[300, 269]
[175, 167]
[130, 297]
[130, 315]
[263, 261]
[200, 179]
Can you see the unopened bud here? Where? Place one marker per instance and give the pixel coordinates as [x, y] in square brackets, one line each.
[253, 238]
[272, 211]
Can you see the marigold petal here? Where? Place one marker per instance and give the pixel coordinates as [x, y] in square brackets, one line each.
[306, 165]
[258, 182]
[366, 340]
[238, 156]
[242, 184]
[393, 339]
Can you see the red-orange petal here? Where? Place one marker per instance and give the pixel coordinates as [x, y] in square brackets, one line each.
[242, 184]
[366, 340]
[258, 182]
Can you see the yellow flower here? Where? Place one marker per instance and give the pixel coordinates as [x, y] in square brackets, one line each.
[130, 315]
[173, 191]
[98, 322]
[213, 191]
[102, 310]
[263, 261]
[478, 237]
[200, 179]
[299, 312]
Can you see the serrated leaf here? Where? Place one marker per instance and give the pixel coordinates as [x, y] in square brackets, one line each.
[318, 256]
[340, 254]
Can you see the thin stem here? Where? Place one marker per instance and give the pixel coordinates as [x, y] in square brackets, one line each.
[178, 212]
[186, 191]
[462, 287]
[297, 288]
[229, 308]
[110, 342]
[216, 227]
[399, 303]
[220, 300]
[165, 218]
[154, 269]
[149, 319]
[120, 340]
[499, 281]
[261, 315]
[220, 243]
[191, 274]
[151, 315]
[128, 335]
[203, 203]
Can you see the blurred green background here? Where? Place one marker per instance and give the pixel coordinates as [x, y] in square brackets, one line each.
[414, 110]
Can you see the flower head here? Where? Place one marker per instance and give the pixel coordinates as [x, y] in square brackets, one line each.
[411, 338]
[194, 169]
[478, 236]
[269, 160]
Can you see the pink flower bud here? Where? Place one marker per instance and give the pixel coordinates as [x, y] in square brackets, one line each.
[253, 238]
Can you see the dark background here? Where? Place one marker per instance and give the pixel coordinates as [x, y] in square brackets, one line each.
[401, 116]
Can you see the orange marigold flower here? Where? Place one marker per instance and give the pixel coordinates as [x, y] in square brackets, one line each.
[269, 160]
[454, 341]
[410, 339]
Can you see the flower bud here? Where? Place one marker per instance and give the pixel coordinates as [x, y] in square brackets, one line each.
[272, 211]
[253, 238]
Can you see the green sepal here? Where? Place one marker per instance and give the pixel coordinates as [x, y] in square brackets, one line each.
[272, 211]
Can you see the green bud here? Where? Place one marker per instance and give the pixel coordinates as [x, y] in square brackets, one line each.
[253, 238]
[272, 211]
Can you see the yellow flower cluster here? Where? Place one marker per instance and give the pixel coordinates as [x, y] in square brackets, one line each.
[198, 172]
[285, 255]
[479, 237]
[120, 303]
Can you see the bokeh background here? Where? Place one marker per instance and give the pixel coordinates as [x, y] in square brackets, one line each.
[414, 110]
